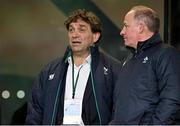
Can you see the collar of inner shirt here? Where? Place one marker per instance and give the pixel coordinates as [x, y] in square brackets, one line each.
[87, 60]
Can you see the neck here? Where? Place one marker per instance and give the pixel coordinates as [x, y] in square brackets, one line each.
[79, 58]
[143, 37]
[146, 36]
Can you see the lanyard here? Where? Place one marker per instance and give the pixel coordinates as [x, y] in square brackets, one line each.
[74, 85]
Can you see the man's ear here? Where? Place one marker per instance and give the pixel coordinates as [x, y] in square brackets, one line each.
[141, 27]
[96, 36]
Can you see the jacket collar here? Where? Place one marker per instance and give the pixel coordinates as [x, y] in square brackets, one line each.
[94, 52]
[143, 45]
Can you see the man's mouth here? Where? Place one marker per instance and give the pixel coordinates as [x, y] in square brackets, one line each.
[76, 42]
[124, 38]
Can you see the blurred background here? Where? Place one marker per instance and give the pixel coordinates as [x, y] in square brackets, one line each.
[32, 34]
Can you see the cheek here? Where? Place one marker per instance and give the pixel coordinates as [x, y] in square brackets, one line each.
[87, 38]
[69, 36]
[131, 33]
[132, 38]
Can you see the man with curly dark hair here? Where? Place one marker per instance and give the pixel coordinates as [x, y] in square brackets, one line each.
[78, 88]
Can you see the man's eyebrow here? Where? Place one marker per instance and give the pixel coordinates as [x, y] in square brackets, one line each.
[125, 23]
[82, 25]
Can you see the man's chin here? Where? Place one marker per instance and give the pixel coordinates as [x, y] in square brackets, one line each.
[75, 50]
[126, 44]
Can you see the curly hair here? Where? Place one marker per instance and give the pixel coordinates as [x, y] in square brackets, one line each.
[88, 17]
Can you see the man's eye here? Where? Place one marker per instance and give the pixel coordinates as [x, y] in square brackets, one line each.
[125, 25]
[70, 30]
[82, 30]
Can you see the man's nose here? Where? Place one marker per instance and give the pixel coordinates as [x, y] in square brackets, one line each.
[75, 34]
[121, 32]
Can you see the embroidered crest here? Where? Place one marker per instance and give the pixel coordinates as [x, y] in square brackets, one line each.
[51, 76]
[145, 60]
[105, 70]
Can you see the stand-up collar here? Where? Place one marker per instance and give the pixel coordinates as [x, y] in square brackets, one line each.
[143, 45]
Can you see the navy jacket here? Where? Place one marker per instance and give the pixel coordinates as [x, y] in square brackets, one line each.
[148, 87]
[46, 104]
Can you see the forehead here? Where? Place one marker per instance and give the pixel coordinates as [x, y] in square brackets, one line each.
[79, 22]
[129, 16]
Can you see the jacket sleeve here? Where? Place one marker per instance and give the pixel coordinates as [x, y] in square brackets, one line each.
[35, 102]
[168, 74]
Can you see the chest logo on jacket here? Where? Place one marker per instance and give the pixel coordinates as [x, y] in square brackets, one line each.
[51, 76]
[145, 59]
[105, 71]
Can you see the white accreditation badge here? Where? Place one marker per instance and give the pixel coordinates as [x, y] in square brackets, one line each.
[72, 111]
